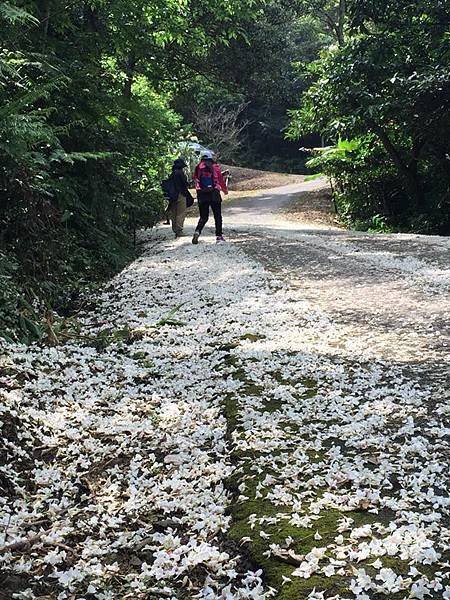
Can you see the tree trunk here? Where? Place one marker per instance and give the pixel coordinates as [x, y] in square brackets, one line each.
[91, 19]
[340, 22]
[443, 158]
[129, 76]
[44, 16]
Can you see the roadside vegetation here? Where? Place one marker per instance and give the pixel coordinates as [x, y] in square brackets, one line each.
[380, 97]
[87, 131]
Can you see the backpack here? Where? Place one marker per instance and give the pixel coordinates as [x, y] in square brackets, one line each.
[169, 189]
[206, 179]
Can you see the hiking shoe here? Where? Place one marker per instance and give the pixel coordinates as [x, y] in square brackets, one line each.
[220, 239]
[195, 237]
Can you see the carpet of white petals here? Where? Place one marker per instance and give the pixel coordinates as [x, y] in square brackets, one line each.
[117, 460]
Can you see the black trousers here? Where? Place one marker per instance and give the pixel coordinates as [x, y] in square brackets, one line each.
[205, 201]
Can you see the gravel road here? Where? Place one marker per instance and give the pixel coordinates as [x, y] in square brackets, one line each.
[387, 293]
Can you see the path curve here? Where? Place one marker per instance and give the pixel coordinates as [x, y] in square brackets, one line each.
[390, 293]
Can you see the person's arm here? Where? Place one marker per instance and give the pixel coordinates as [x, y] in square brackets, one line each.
[221, 180]
[196, 178]
[184, 183]
[187, 191]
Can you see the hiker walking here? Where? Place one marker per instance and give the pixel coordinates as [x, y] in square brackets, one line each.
[178, 195]
[209, 182]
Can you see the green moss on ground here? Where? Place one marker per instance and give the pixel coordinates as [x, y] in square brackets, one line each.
[303, 539]
[272, 405]
[252, 337]
[230, 412]
[275, 569]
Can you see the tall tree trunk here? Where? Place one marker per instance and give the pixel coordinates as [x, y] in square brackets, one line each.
[44, 15]
[443, 157]
[340, 22]
[129, 76]
[91, 20]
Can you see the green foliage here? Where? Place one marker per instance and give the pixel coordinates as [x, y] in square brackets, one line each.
[86, 134]
[15, 14]
[331, 14]
[388, 86]
[265, 71]
[8, 297]
[91, 98]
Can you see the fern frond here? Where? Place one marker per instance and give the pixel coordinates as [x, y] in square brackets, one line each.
[14, 14]
[40, 92]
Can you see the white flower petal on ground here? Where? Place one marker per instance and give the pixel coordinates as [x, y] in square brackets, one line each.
[128, 453]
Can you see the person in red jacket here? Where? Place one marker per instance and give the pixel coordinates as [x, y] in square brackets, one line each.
[209, 182]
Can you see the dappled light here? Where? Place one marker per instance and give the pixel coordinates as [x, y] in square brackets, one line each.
[249, 412]
[224, 300]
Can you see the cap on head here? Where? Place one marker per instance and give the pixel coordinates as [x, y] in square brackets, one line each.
[207, 156]
[179, 163]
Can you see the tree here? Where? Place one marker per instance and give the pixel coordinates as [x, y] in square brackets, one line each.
[87, 131]
[331, 14]
[390, 79]
[221, 128]
[265, 69]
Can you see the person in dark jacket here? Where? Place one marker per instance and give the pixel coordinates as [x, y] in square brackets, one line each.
[177, 207]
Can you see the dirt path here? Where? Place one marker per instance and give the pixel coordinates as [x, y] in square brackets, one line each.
[266, 418]
[384, 305]
[263, 208]
[390, 293]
